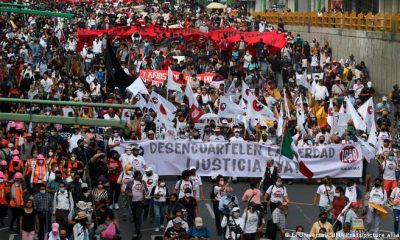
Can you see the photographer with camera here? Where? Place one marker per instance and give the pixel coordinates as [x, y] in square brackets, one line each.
[234, 224]
[175, 231]
[228, 201]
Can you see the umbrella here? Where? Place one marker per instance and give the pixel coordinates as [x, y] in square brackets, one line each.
[209, 116]
[215, 5]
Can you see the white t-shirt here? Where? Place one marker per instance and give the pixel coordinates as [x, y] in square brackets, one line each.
[196, 184]
[395, 195]
[126, 159]
[351, 193]
[251, 223]
[277, 193]
[46, 84]
[73, 141]
[377, 195]
[324, 192]
[114, 140]
[236, 139]
[230, 234]
[150, 181]
[138, 163]
[389, 171]
[320, 92]
[183, 185]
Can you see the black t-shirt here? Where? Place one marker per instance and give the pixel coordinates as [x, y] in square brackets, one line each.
[189, 206]
[172, 231]
[28, 221]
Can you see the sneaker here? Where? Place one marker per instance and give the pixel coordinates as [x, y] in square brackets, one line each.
[116, 206]
[161, 226]
[157, 230]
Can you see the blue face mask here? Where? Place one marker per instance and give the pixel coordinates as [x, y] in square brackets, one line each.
[391, 158]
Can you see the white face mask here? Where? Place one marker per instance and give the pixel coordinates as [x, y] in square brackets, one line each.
[130, 172]
[162, 184]
[1, 180]
[337, 194]
[73, 158]
[129, 152]
[50, 154]
[115, 134]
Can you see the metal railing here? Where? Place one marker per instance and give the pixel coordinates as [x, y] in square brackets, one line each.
[367, 22]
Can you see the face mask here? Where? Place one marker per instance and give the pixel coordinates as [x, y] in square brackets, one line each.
[228, 194]
[99, 186]
[148, 174]
[321, 141]
[34, 155]
[130, 172]
[129, 152]
[237, 134]
[107, 222]
[115, 134]
[188, 194]
[299, 234]
[391, 158]
[162, 184]
[323, 219]
[62, 190]
[40, 161]
[278, 184]
[50, 154]
[1, 180]
[377, 185]
[337, 194]
[73, 158]
[236, 214]
[85, 189]
[42, 191]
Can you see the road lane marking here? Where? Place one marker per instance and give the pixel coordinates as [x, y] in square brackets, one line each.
[304, 215]
[210, 210]
[12, 236]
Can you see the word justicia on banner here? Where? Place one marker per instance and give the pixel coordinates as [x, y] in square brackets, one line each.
[243, 159]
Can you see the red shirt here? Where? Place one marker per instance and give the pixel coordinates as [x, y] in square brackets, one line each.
[338, 204]
[114, 169]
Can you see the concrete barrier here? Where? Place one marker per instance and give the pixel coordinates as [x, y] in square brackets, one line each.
[380, 51]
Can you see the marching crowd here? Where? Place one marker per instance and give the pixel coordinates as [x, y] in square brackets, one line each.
[60, 182]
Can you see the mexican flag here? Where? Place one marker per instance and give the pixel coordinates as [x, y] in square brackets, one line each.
[288, 152]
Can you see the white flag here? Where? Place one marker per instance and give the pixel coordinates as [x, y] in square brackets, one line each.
[164, 108]
[126, 114]
[342, 109]
[232, 90]
[280, 122]
[171, 82]
[373, 137]
[367, 113]
[357, 120]
[303, 80]
[246, 93]
[367, 150]
[287, 111]
[190, 96]
[139, 101]
[330, 114]
[137, 87]
[228, 109]
[256, 109]
[300, 113]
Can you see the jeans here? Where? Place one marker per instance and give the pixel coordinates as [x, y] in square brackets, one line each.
[15, 216]
[44, 224]
[160, 209]
[217, 214]
[396, 213]
[148, 209]
[137, 214]
[115, 191]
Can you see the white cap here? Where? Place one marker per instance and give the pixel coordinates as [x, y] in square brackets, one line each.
[235, 209]
[192, 168]
[148, 169]
[384, 98]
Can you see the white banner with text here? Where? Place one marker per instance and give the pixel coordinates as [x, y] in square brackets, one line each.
[248, 159]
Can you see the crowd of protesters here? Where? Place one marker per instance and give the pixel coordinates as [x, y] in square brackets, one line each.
[68, 182]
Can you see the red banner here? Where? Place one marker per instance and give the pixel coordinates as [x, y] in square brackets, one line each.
[157, 77]
[274, 40]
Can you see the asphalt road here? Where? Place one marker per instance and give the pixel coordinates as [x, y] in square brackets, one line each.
[301, 211]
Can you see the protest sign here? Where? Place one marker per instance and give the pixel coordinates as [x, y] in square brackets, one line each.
[244, 159]
[157, 77]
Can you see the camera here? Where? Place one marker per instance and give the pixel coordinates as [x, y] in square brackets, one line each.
[236, 229]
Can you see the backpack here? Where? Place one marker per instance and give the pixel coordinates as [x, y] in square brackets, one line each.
[68, 196]
[109, 233]
[7, 156]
